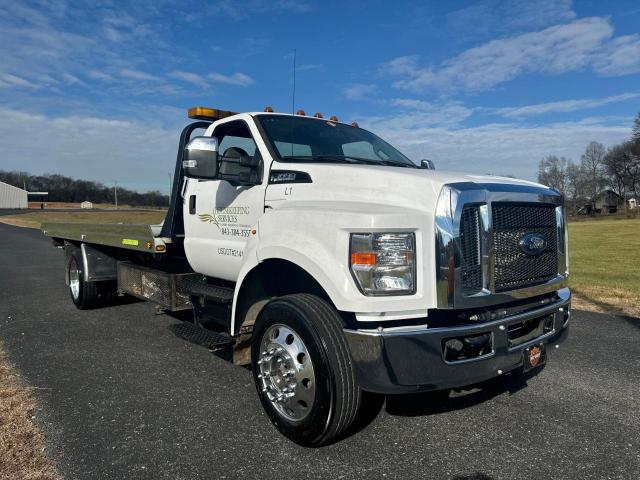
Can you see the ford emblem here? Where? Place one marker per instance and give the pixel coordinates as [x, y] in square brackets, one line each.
[533, 243]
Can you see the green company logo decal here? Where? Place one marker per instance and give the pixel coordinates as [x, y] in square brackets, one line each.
[229, 220]
[208, 218]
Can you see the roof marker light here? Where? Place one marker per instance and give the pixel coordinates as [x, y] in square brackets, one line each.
[318, 115]
[355, 125]
[333, 118]
[268, 109]
[211, 114]
[300, 112]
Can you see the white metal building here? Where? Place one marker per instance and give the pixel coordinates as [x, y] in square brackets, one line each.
[86, 204]
[12, 197]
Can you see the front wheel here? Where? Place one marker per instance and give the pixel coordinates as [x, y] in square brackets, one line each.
[303, 370]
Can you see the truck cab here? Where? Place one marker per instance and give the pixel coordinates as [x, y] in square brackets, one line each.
[336, 267]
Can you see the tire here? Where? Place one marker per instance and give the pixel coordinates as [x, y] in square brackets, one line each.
[86, 295]
[324, 377]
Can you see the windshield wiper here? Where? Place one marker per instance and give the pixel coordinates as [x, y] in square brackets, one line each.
[347, 159]
[322, 158]
[393, 163]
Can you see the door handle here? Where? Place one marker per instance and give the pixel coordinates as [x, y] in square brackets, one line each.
[192, 204]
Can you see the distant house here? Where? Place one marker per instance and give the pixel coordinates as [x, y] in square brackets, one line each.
[607, 202]
[86, 204]
[632, 203]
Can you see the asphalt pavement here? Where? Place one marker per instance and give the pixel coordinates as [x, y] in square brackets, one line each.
[120, 396]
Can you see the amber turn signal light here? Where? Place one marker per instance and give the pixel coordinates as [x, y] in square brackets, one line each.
[363, 258]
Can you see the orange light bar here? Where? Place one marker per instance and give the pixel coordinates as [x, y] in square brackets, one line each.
[204, 113]
[300, 112]
[363, 258]
[333, 118]
[268, 109]
[318, 115]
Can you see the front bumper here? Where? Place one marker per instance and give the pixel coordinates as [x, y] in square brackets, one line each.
[405, 360]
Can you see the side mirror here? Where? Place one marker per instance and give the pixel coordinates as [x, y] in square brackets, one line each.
[200, 158]
[241, 170]
[427, 164]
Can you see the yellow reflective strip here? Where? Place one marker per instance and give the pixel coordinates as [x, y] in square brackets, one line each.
[128, 241]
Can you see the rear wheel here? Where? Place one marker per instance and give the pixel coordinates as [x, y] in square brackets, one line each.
[303, 371]
[86, 295]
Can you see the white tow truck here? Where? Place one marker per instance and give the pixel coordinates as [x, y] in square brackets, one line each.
[333, 265]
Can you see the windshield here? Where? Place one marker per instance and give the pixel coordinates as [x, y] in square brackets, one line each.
[298, 139]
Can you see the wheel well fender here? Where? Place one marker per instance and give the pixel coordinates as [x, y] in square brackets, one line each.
[273, 277]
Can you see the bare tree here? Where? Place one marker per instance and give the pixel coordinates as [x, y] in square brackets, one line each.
[552, 171]
[592, 162]
[577, 182]
[635, 131]
[616, 164]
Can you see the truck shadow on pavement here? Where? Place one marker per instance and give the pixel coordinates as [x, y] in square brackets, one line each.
[431, 403]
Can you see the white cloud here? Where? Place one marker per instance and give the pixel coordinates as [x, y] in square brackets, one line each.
[238, 9]
[318, 67]
[359, 91]
[192, 78]
[101, 76]
[491, 17]
[497, 148]
[237, 78]
[419, 112]
[70, 79]
[8, 80]
[562, 106]
[621, 56]
[584, 43]
[138, 75]
[103, 149]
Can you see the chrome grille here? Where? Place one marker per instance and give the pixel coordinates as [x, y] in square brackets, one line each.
[470, 249]
[512, 267]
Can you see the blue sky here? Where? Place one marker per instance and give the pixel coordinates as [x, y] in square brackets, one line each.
[99, 90]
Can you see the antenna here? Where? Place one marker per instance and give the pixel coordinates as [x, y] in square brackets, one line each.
[293, 96]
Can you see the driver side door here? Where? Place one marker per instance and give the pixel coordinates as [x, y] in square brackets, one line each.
[220, 216]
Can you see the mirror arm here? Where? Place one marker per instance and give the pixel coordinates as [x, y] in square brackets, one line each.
[244, 161]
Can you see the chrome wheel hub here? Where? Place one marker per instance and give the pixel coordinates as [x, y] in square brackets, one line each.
[74, 280]
[285, 371]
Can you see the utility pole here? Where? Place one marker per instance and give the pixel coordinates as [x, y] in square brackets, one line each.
[115, 192]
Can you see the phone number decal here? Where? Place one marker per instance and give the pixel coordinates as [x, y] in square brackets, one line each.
[235, 232]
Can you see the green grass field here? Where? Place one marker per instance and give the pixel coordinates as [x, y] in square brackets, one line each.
[35, 218]
[604, 263]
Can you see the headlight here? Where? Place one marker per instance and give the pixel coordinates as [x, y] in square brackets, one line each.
[384, 263]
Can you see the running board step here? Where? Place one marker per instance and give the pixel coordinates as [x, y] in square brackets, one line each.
[199, 288]
[200, 336]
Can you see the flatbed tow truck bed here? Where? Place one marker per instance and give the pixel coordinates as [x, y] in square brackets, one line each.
[141, 238]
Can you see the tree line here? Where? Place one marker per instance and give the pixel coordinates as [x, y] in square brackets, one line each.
[616, 168]
[67, 189]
